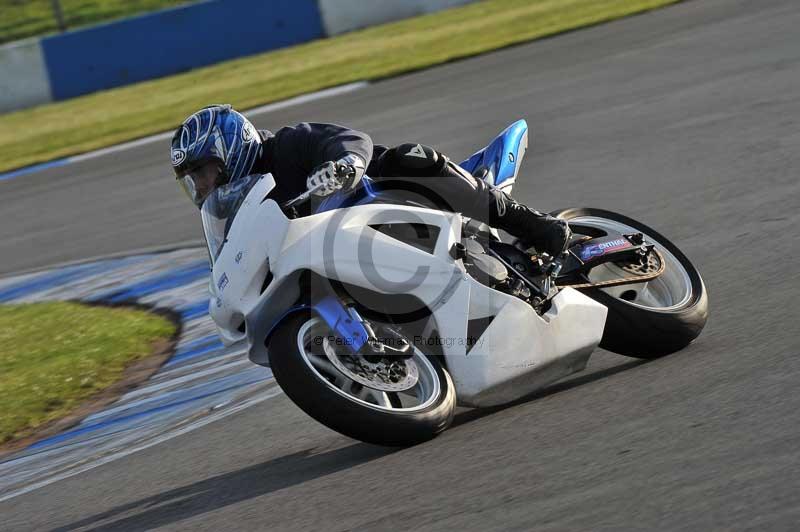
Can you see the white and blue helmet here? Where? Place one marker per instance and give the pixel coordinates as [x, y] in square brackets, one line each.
[216, 133]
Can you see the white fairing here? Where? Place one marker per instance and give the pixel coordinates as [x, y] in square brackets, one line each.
[518, 352]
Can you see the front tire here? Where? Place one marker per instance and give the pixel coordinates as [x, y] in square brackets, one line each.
[651, 319]
[323, 392]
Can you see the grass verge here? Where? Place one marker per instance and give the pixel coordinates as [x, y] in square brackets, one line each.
[106, 118]
[27, 18]
[53, 356]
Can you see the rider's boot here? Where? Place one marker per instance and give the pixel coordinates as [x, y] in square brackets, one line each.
[533, 228]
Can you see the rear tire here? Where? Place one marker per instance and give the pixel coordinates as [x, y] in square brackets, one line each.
[381, 425]
[638, 330]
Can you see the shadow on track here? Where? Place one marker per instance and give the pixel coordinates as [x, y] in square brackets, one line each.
[223, 490]
[562, 386]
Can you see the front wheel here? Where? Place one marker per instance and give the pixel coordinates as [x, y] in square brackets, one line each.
[394, 401]
[648, 319]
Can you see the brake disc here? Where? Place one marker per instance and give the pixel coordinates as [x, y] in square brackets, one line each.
[387, 374]
[652, 264]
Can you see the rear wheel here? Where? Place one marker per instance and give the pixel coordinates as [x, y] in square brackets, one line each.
[391, 400]
[652, 318]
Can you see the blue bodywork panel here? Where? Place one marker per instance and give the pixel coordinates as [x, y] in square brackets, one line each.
[345, 322]
[364, 194]
[501, 156]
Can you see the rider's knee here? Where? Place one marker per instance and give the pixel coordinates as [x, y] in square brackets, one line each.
[412, 160]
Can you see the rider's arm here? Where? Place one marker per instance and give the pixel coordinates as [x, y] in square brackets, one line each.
[306, 146]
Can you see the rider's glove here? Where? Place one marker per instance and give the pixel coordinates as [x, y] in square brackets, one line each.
[324, 179]
[332, 176]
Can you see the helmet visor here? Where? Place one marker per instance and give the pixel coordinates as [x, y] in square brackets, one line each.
[200, 182]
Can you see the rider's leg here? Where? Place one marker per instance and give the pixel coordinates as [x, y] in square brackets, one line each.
[425, 175]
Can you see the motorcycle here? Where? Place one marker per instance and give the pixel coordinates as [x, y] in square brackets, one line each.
[378, 315]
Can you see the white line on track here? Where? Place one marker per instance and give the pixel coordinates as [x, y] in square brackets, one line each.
[291, 102]
[146, 390]
[160, 137]
[150, 395]
[179, 369]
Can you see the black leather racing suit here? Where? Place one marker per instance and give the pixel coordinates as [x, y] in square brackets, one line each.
[415, 171]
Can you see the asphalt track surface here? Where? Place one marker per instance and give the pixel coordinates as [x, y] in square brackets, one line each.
[686, 118]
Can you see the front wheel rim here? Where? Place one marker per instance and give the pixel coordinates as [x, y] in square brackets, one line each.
[425, 393]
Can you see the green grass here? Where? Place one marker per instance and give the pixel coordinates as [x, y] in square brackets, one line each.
[54, 355]
[27, 18]
[117, 115]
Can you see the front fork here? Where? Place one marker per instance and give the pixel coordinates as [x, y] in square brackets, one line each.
[346, 322]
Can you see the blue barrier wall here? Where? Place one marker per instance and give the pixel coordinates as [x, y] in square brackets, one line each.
[173, 41]
[167, 42]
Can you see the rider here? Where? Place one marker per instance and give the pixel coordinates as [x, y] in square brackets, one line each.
[218, 146]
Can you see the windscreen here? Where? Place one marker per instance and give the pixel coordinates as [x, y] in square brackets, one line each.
[219, 210]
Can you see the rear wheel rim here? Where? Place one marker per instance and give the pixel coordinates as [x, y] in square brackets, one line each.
[425, 392]
[670, 291]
